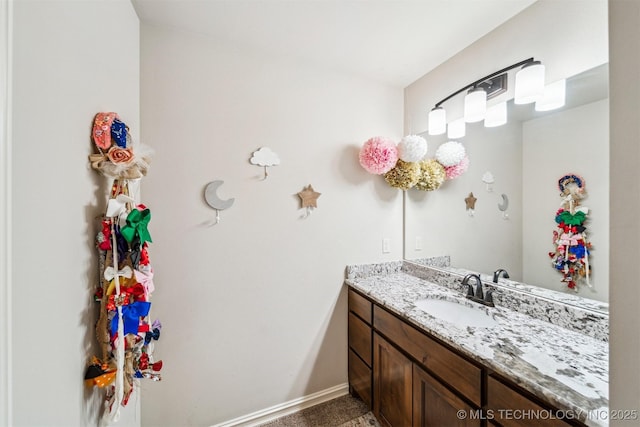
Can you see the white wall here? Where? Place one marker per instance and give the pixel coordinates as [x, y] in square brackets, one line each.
[568, 38]
[254, 308]
[570, 141]
[624, 67]
[70, 60]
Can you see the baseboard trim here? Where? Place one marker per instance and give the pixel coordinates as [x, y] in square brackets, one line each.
[287, 408]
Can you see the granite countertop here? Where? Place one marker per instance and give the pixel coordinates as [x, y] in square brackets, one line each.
[569, 369]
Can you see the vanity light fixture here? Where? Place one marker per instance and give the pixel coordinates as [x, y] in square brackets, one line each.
[437, 121]
[475, 105]
[554, 96]
[456, 129]
[529, 86]
[496, 115]
[529, 83]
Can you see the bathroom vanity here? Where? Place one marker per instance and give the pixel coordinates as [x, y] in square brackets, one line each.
[415, 364]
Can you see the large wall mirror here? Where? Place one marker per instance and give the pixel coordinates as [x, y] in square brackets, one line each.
[526, 157]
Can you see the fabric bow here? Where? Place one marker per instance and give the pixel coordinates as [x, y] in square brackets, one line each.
[122, 299]
[119, 133]
[118, 206]
[146, 280]
[575, 219]
[143, 363]
[131, 315]
[110, 273]
[152, 335]
[99, 374]
[137, 222]
[137, 291]
[571, 240]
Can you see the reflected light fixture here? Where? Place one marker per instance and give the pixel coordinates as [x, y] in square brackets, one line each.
[554, 96]
[529, 83]
[456, 129]
[529, 86]
[496, 115]
[437, 121]
[475, 105]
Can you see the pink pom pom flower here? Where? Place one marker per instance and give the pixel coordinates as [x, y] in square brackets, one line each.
[378, 155]
[457, 170]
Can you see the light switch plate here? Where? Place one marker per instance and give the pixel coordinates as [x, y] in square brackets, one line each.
[386, 245]
[418, 246]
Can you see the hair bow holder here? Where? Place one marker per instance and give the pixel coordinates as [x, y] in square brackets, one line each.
[213, 200]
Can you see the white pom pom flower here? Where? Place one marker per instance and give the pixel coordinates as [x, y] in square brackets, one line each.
[450, 153]
[412, 148]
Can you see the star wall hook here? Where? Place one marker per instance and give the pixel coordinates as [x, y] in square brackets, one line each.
[470, 201]
[309, 199]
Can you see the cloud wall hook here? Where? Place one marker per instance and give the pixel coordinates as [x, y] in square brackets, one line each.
[265, 157]
[488, 179]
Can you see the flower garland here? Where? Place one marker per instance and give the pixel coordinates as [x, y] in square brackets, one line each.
[571, 256]
[124, 329]
[404, 165]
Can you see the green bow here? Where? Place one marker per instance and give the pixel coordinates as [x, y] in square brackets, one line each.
[137, 222]
[566, 217]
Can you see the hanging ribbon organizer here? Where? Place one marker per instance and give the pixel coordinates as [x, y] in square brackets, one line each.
[572, 248]
[124, 329]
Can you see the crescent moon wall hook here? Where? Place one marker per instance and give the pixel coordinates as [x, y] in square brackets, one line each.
[504, 206]
[505, 203]
[213, 200]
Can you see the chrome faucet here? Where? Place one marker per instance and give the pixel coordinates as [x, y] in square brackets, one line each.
[477, 294]
[498, 272]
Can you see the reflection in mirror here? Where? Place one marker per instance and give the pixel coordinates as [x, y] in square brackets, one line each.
[525, 157]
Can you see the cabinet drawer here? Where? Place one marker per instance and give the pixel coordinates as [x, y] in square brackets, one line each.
[453, 369]
[360, 338]
[360, 306]
[360, 378]
[512, 409]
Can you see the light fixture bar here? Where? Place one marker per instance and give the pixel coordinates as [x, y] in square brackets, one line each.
[477, 82]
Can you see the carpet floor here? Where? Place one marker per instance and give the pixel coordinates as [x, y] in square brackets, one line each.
[345, 411]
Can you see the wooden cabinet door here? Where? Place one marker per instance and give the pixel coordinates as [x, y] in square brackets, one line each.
[511, 408]
[392, 371]
[435, 406]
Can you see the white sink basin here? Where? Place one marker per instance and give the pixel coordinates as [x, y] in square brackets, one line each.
[458, 314]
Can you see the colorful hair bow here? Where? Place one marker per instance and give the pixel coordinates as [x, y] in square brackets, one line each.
[144, 255]
[99, 374]
[137, 291]
[110, 273]
[114, 301]
[131, 315]
[137, 222]
[146, 279]
[143, 363]
[152, 335]
[119, 133]
[102, 129]
[575, 219]
[118, 206]
[571, 240]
